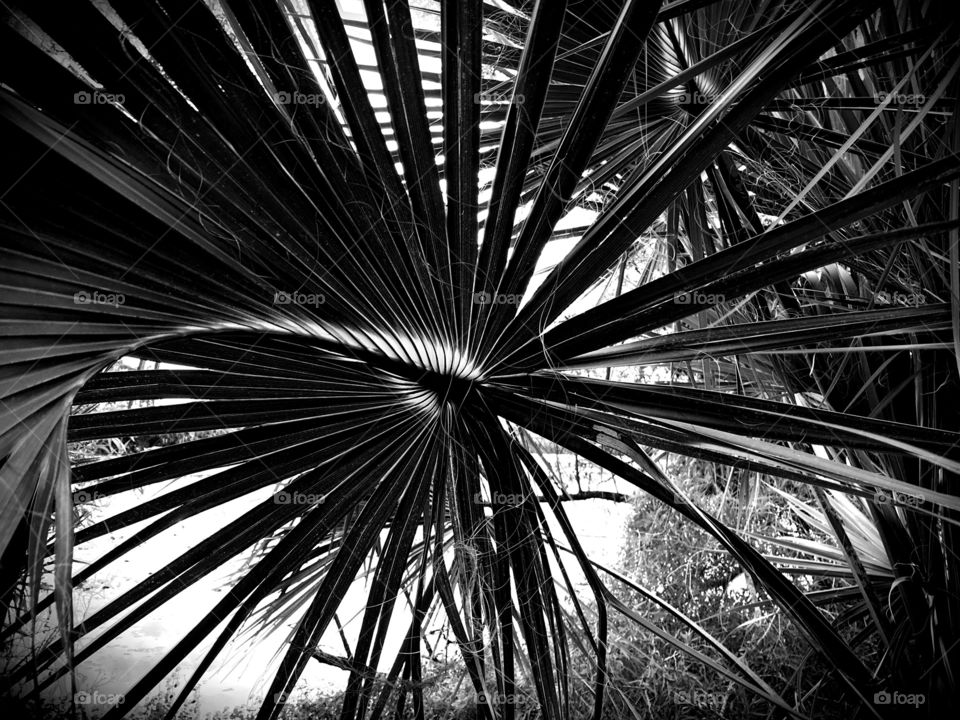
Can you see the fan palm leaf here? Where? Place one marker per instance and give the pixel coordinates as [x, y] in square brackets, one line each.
[320, 221]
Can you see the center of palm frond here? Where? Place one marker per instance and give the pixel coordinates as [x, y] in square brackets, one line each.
[431, 374]
[448, 375]
[447, 387]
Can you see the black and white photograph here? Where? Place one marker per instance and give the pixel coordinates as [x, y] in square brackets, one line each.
[479, 359]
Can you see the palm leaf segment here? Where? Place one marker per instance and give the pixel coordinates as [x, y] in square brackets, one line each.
[320, 221]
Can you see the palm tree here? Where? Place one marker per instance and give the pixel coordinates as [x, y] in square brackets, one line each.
[319, 220]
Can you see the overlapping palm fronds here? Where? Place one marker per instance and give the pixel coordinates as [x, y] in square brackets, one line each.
[320, 219]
